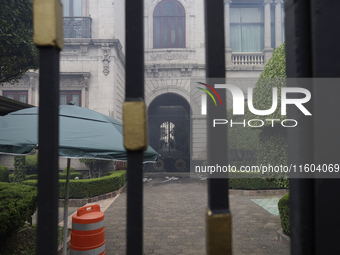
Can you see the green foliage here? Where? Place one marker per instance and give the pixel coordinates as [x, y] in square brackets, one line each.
[11, 178]
[254, 182]
[4, 174]
[96, 166]
[242, 138]
[17, 203]
[284, 214]
[274, 148]
[108, 173]
[71, 170]
[18, 53]
[273, 75]
[273, 140]
[19, 169]
[90, 187]
[238, 164]
[32, 164]
[73, 175]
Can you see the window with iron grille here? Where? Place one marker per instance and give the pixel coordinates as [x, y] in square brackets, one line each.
[169, 25]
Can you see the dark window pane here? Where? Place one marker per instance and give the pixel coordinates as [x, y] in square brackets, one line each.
[165, 33]
[63, 100]
[157, 32]
[172, 32]
[180, 32]
[22, 98]
[75, 99]
[158, 11]
[179, 10]
[168, 9]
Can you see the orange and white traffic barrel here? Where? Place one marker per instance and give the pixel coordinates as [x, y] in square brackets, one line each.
[88, 234]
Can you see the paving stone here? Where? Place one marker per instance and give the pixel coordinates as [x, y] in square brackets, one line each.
[174, 221]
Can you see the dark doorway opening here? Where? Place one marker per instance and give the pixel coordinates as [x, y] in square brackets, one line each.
[169, 133]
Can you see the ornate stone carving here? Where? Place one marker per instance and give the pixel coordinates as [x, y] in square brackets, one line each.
[267, 1]
[106, 58]
[169, 56]
[83, 49]
[71, 81]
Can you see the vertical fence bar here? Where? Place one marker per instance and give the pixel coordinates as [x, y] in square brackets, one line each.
[312, 52]
[300, 138]
[218, 218]
[134, 118]
[325, 58]
[48, 151]
[48, 36]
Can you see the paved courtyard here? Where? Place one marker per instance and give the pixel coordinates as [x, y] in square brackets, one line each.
[174, 221]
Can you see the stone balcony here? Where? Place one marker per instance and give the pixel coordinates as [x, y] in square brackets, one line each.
[247, 58]
[77, 27]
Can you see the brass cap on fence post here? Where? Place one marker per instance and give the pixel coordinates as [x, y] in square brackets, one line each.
[135, 126]
[48, 23]
[218, 233]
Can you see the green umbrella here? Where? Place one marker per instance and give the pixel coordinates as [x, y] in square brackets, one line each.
[83, 133]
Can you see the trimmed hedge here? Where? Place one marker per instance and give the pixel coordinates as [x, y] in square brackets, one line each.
[17, 203]
[253, 183]
[87, 188]
[71, 170]
[73, 175]
[283, 205]
[273, 140]
[4, 174]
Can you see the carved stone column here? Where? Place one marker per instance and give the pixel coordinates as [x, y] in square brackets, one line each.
[268, 50]
[278, 22]
[106, 58]
[33, 76]
[227, 31]
[86, 78]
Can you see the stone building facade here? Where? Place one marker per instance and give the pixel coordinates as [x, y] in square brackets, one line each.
[92, 63]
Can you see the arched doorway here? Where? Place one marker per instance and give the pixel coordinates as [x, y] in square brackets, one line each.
[169, 133]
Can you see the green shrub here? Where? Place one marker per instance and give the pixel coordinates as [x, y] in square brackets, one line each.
[19, 168]
[284, 214]
[4, 174]
[71, 170]
[32, 164]
[17, 203]
[272, 140]
[11, 178]
[254, 182]
[90, 187]
[61, 176]
[73, 175]
[238, 164]
[108, 173]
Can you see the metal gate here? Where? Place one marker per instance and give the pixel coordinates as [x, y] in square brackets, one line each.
[312, 51]
[169, 136]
